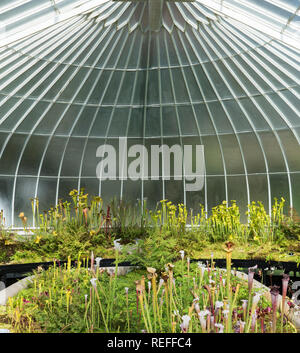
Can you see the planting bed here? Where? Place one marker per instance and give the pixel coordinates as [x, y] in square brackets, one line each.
[164, 291]
[185, 297]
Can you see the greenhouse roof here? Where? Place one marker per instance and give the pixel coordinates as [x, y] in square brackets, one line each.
[79, 74]
[278, 18]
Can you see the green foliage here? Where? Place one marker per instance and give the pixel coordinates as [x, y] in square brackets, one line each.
[8, 246]
[70, 241]
[83, 224]
[83, 300]
[73, 240]
[156, 249]
[129, 220]
[291, 228]
[27, 256]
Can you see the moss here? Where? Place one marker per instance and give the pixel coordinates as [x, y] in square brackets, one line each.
[268, 251]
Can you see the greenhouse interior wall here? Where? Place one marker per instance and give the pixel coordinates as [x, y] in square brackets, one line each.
[76, 75]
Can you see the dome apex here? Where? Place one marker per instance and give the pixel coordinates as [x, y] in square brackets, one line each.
[151, 15]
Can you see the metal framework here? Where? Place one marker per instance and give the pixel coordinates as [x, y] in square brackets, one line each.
[77, 74]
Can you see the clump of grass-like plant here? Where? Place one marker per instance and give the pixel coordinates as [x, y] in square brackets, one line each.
[183, 297]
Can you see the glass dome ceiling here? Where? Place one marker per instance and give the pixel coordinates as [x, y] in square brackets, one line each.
[78, 74]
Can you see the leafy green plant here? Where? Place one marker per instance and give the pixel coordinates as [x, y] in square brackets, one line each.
[185, 298]
[8, 245]
[83, 223]
[157, 249]
[290, 227]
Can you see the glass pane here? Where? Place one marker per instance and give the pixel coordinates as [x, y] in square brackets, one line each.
[270, 112]
[65, 186]
[238, 82]
[46, 193]
[215, 191]
[6, 108]
[273, 152]
[53, 156]
[99, 88]
[258, 120]
[90, 161]
[16, 114]
[258, 185]
[6, 192]
[296, 187]
[153, 86]
[72, 157]
[140, 87]
[204, 119]
[86, 90]
[132, 191]
[187, 120]
[101, 122]
[25, 190]
[280, 188]
[153, 121]
[78, 79]
[32, 116]
[232, 155]
[237, 190]
[174, 191]
[90, 186]
[77, 118]
[170, 123]
[285, 108]
[239, 119]
[59, 81]
[13, 148]
[119, 121]
[253, 153]
[153, 192]
[136, 123]
[291, 148]
[181, 92]
[166, 87]
[22, 74]
[110, 95]
[213, 158]
[110, 189]
[221, 119]
[193, 85]
[205, 85]
[219, 84]
[215, 69]
[127, 88]
[51, 118]
[32, 155]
